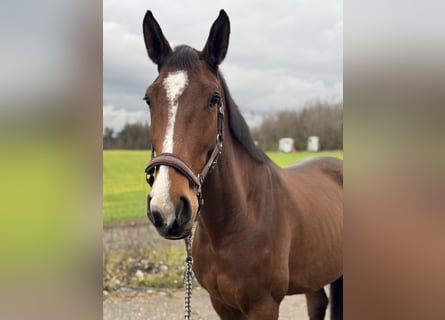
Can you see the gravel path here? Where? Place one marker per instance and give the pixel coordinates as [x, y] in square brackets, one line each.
[131, 234]
[131, 304]
[155, 304]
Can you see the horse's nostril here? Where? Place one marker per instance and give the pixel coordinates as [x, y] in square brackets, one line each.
[156, 216]
[183, 211]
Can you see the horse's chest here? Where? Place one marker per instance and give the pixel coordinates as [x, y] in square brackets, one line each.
[220, 279]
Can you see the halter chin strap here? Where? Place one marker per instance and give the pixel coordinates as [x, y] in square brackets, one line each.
[172, 160]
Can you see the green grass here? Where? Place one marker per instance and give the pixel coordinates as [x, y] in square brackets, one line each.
[285, 159]
[125, 189]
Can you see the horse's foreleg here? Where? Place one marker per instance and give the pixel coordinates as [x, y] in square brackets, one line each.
[316, 304]
[225, 312]
[264, 310]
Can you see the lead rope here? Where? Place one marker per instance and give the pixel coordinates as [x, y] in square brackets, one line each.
[188, 277]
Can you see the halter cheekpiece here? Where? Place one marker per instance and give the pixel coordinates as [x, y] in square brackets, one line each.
[174, 161]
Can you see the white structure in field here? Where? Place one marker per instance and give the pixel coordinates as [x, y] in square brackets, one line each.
[285, 144]
[313, 143]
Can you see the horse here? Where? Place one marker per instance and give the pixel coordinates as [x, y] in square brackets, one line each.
[261, 232]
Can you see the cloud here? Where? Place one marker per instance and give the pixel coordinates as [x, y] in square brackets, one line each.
[116, 118]
[126, 67]
[272, 89]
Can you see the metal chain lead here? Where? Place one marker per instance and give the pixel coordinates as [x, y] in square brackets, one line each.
[188, 277]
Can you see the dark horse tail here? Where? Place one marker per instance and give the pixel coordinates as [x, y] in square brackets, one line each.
[337, 299]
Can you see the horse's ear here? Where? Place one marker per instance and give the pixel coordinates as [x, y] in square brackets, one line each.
[217, 44]
[157, 46]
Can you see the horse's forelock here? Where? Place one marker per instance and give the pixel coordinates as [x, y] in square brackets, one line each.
[183, 57]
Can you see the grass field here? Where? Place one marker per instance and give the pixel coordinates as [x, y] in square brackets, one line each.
[125, 189]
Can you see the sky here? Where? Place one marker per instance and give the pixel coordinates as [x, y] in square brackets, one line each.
[282, 54]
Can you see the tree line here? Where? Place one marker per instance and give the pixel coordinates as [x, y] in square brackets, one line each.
[317, 119]
[132, 136]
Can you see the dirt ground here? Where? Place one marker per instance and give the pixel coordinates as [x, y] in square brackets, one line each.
[145, 303]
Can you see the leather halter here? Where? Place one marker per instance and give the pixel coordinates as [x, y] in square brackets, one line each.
[173, 161]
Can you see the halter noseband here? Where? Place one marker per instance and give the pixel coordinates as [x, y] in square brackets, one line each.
[172, 160]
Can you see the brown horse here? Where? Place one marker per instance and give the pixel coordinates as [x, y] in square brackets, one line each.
[263, 232]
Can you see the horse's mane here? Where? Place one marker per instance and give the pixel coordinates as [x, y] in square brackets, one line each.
[239, 128]
[187, 57]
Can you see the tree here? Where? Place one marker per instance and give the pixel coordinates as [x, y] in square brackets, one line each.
[318, 119]
[109, 141]
[132, 136]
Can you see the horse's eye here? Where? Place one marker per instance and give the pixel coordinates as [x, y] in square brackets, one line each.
[215, 100]
[147, 100]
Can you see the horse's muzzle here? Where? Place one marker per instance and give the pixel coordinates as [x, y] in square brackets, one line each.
[177, 229]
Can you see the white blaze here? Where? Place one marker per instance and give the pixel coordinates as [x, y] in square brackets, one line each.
[174, 85]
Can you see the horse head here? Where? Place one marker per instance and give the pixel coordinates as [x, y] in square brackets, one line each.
[186, 103]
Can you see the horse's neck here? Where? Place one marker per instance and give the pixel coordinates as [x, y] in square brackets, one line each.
[231, 192]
